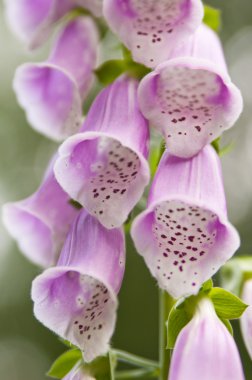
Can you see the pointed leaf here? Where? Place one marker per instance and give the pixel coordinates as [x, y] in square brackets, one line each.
[64, 363]
[228, 325]
[226, 304]
[212, 18]
[207, 286]
[101, 368]
[110, 70]
[177, 319]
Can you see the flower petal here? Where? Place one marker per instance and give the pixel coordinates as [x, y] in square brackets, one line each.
[184, 235]
[152, 29]
[40, 223]
[105, 168]
[75, 52]
[205, 349]
[77, 299]
[246, 319]
[32, 21]
[191, 99]
[78, 373]
[50, 99]
[51, 93]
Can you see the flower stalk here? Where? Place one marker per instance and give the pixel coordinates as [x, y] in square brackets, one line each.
[165, 304]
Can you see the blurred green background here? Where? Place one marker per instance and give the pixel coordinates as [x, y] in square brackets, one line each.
[27, 348]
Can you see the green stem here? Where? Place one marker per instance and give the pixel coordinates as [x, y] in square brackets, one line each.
[165, 304]
[132, 359]
[136, 373]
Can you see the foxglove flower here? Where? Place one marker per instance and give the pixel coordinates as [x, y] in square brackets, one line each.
[78, 373]
[184, 235]
[33, 21]
[104, 168]
[152, 29]
[205, 349]
[77, 298]
[40, 223]
[246, 318]
[51, 93]
[191, 99]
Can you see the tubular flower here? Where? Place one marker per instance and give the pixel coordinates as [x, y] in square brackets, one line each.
[78, 373]
[151, 29]
[184, 235]
[205, 349]
[33, 21]
[40, 223]
[51, 93]
[104, 167]
[246, 318]
[190, 99]
[77, 298]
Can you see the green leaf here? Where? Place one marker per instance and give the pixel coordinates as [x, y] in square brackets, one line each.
[207, 286]
[64, 363]
[212, 18]
[216, 144]
[177, 319]
[228, 325]
[227, 305]
[110, 70]
[101, 368]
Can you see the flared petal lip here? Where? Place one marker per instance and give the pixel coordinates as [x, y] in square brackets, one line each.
[193, 19]
[66, 148]
[24, 103]
[221, 217]
[8, 224]
[38, 36]
[55, 272]
[195, 64]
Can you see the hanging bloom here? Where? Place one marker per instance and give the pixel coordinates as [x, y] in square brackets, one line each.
[40, 223]
[51, 93]
[184, 235]
[191, 99]
[77, 298]
[32, 21]
[104, 167]
[152, 29]
[205, 349]
[78, 373]
[246, 318]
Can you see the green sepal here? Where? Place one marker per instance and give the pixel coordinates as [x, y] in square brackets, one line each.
[110, 70]
[216, 144]
[226, 304]
[101, 368]
[207, 286]
[212, 17]
[64, 363]
[227, 325]
[178, 318]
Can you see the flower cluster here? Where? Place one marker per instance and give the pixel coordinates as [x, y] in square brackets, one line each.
[72, 225]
